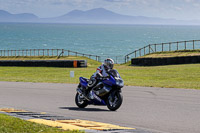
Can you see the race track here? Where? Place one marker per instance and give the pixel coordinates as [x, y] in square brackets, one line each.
[152, 109]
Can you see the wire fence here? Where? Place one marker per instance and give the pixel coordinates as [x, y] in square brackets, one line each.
[163, 47]
[151, 48]
[57, 53]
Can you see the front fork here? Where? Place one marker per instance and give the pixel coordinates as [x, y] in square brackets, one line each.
[80, 92]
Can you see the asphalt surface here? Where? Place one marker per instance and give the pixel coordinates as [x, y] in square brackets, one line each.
[153, 109]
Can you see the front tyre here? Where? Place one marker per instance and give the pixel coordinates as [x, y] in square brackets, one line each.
[80, 101]
[114, 101]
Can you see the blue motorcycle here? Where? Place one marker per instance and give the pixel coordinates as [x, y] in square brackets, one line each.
[106, 92]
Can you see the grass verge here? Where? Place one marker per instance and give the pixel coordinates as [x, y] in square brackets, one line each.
[178, 53]
[172, 76]
[10, 124]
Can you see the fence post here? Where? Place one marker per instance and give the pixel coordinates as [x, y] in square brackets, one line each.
[140, 52]
[135, 54]
[169, 46]
[48, 52]
[68, 52]
[193, 44]
[185, 45]
[177, 45]
[63, 52]
[155, 47]
[149, 49]
[162, 47]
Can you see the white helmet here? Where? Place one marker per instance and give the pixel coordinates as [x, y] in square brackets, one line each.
[109, 63]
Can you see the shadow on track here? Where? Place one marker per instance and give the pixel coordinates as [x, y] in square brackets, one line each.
[83, 109]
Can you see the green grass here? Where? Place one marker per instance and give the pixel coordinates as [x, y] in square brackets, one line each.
[173, 76]
[177, 53]
[10, 124]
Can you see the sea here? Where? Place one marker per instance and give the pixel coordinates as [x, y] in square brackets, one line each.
[113, 41]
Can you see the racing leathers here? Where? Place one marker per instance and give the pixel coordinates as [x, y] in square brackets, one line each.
[101, 72]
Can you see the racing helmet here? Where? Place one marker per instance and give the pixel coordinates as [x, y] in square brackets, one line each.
[109, 63]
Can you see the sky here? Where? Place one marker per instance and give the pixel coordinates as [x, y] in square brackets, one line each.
[177, 9]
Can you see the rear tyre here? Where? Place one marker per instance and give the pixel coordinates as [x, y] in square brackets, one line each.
[113, 103]
[80, 101]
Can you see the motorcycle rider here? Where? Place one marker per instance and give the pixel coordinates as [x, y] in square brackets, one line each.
[100, 73]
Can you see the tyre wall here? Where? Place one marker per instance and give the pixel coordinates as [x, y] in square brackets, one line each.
[165, 61]
[44, 63]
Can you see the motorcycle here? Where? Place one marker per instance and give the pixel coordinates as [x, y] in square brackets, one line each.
[107, 92]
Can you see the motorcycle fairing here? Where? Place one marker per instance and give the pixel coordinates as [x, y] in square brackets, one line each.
[83, 81]
[96, 100]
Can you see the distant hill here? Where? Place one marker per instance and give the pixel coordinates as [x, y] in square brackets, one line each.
[23, 17]
[93, 16]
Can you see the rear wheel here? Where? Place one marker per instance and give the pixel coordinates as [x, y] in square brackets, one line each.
[80, 101]
[114, 101]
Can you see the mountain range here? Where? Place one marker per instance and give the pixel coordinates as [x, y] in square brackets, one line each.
[93, 16]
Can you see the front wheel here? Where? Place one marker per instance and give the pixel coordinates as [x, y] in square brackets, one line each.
[114, 101]
[80, 101]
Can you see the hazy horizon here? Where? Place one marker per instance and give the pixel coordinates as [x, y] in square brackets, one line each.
[167, 9]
